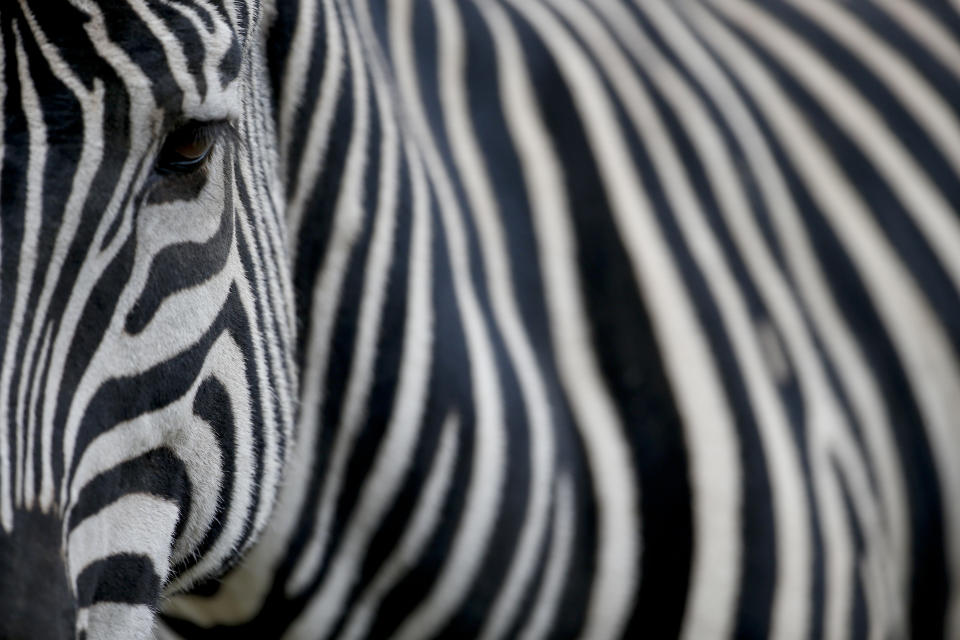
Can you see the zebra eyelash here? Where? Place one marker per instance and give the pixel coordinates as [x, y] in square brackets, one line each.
[215, 131]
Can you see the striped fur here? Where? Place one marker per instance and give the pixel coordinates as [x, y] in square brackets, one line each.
[614, 318]
[619, 319]
[147, 380]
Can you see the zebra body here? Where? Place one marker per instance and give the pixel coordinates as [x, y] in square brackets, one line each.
[696, 262]
[606, 319]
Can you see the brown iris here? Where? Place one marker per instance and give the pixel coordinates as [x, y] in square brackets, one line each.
[186, 149]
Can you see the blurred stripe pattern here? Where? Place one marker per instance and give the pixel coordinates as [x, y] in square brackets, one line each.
[618, 319]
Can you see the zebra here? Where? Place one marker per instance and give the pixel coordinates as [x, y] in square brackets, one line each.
[558, 318]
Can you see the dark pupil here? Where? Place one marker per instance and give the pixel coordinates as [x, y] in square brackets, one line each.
[185, 150]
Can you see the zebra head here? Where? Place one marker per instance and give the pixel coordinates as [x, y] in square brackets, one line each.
[145, 379]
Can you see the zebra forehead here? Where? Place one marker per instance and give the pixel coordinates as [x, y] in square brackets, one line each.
[182, 56]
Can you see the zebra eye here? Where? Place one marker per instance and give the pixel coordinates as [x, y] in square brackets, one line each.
[186, 149]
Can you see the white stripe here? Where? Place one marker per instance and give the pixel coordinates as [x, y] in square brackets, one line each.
[26, 266]
[824, 419]
[686, 354]
[854, 374]
[926, 29]
[486, 215]
[225, 362]
[172, 48]
[917, 335]
[170, 328]
[153, 431]
[395, 453]
[302, 50]
[347, 228]
[273, 277]
[425, 518]
[92, 114]
[44, 498]
[545, 608]
[487, 468]
[381, 254]
[716, 486]
[96, 261]
[270, 382]
[218, 102]
[932, 214]
[317, 136]
[838, 552]
[115, 619]
[912, 90]
[137, 523]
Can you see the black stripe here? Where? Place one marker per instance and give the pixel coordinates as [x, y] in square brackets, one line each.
[212, 405]
[128, 31]
[929, 583]
[158, 472]
[187, 38]
[185, 264]
[628, 355]
[124, 578]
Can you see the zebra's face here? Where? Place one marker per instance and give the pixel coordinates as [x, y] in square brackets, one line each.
[145, 380]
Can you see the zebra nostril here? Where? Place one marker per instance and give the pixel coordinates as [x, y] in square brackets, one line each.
[33, 580]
